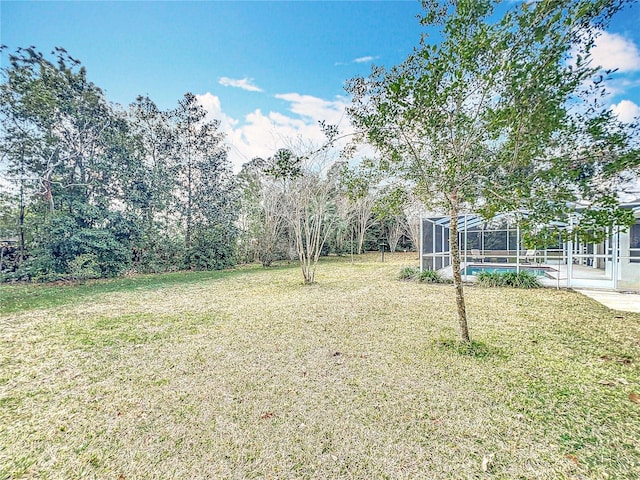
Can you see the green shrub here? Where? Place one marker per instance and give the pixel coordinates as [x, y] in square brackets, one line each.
[489, 279]
[430, 276]
[408, 273]
[426, 276]
[84, 267]
[522, 279]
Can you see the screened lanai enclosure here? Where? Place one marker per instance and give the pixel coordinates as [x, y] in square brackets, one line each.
[497, 245]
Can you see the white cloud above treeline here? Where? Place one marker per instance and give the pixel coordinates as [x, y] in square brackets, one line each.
[260, 134]
[365, 59]
[613, 51]
[316, 109]
[243, 83]
[626, 111]
[212, 105]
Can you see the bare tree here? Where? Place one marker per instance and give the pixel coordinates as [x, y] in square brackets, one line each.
[413, 210]
[362, 211]
[396, 228]
[360, 185]
[308, 195]
[262, 206]
[343, 226]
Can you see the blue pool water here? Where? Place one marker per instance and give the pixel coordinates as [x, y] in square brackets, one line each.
[474, 269]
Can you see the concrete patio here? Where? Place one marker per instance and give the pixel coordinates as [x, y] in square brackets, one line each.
[592, 282]
[624, 302]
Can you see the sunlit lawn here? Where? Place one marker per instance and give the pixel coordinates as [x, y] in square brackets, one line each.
[250, 374]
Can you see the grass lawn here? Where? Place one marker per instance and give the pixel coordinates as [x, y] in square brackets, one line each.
[251, 374]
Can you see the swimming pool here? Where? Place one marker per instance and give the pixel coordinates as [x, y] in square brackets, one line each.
[537, 271]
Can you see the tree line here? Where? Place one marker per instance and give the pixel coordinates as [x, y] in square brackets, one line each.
[90, 189]
[306, 201]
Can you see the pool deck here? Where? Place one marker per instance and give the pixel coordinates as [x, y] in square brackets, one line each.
[590, 282]
[624, 302]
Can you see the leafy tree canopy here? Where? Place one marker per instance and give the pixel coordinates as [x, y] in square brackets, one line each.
[501, 114]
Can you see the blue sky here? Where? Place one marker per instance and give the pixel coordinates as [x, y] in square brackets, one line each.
[266, 69]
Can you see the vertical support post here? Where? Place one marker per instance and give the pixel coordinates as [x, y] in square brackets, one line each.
[421, 242]
[444, 231]
[615, 240]
[508, 241]
[517, 246]
[433, 250]
[442, 248]
[570, 254]
[465, 247]
[442, 244]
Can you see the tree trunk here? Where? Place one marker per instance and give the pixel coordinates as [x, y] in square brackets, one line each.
[302, 254]
[48, 195]
[21, 222]
[187, 238]
[361, 233]
[394, 236]
[360, 242]
[457, 277]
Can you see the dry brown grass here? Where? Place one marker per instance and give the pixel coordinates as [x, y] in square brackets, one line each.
[254, 375]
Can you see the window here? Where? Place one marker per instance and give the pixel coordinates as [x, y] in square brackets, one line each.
[634, 243]
[495, 240]
[427, 236]
[635, 236]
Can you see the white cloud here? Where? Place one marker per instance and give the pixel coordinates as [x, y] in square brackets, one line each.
[365, 59]
[212, 105]
[615, 51]
[316, 109]
[243, 83]
[626, 111]
[260, 134]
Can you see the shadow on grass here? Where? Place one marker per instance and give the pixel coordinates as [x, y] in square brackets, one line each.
[474, 349]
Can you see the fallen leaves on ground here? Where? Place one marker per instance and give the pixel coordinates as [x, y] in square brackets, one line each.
[573, 458]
